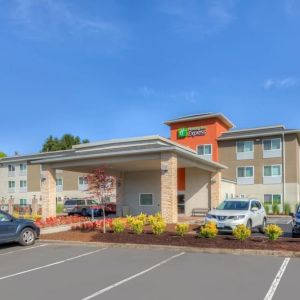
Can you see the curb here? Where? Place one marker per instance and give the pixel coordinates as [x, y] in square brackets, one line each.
[280, 253]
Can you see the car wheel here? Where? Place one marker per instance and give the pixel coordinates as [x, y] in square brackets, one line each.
[263, 226]
[27, 237]
[84, 212]
[249, 224]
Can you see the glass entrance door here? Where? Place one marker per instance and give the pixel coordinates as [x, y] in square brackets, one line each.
[181, 204]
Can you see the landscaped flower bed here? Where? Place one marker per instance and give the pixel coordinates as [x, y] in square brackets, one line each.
[58, 221]
[152, 230]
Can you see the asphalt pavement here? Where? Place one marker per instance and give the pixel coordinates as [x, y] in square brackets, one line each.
[50, 271]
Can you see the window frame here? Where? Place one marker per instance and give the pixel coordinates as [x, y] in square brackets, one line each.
[276, 165]
[272, 200]
[140, 194]
[237, 172]
[244, 146]
[204, 145]
[263, 144]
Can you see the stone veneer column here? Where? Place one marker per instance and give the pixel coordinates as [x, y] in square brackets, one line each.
[48, 189]
[215, 189]
[119, 193]
[11, 205]
[169, 187]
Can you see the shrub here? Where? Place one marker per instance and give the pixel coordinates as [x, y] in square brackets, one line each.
[267, 208]
[181, 229]
[154, 218]
[142, 217]
[275, 209]
[273, 232]
[159, 227]
[129, 220]
[287, 208]
[59, 208]
[118, 225]
[137, 226]
[241, 232]
[209, 230]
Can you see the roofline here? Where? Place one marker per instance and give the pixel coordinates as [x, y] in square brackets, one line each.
[259, 135]
[256, 128]
[202, 117]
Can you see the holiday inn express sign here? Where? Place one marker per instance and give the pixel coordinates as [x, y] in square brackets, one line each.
[191, 132]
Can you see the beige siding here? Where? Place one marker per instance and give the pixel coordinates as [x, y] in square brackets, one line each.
[70, 180]
[33, 178]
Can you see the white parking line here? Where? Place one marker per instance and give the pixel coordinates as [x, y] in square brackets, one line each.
[132, 277]
[51, 265]
[25, 249]
[277, 279]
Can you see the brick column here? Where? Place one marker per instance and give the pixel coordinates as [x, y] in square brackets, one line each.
[169, 187]
[119, 193]
[215, 189]
[10, 205]
[48, 187]
[34, 205]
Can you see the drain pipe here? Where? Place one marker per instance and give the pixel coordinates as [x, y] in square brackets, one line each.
[283, 170]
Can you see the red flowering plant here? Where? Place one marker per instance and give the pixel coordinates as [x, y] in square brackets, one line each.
[61, 220]
[101, 186]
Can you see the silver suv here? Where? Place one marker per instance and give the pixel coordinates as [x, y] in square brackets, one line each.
[78, 206]
[233, 212]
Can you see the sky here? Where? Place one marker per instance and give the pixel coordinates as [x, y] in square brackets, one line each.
[104, 69]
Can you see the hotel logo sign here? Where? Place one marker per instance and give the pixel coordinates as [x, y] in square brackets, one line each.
[191, 132]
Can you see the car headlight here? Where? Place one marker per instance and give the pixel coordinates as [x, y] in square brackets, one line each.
[240, 217]
[209, 216]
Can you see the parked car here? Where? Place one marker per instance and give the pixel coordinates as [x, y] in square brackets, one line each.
[110, 208]
[233, 212]
[296, 222]
[23, 231]
[78, 206]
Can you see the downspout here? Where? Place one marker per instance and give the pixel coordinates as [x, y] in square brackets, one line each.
[283, 170]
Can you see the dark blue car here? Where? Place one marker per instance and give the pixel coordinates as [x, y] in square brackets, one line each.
[296, 222]
[23, 231]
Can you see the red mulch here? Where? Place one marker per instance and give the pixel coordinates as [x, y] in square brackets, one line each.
[170, 238]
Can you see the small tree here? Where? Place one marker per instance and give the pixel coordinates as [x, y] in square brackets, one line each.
[101, 186]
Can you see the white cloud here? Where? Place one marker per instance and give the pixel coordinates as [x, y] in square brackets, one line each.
[42, 19]
[281, 83]
[202, 18]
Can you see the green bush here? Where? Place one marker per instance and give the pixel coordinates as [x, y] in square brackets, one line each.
[142, 217]
[267, 208]
[154, 218]
[275, 209]
[137, 226]
[181, 229]
[241, 232]
[273, 232]
[287, 208]
[159, 227]
[209, 230]
[59, 208]
[118, 225]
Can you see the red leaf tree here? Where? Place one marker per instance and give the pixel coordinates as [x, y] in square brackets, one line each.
[102, 186]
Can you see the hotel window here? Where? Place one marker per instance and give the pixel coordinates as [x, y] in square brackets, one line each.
[272, 148]
[272, 174]
[270, 199]
[244, 150]
[11, 186]
[245, 175]
[146, 199]
[82, 183]
[11, 170]
[245, 172]
[23, 202]
[23, 186]
[23, 169]
[205, 151]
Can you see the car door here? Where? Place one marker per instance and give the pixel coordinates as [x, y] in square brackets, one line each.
[8, 228]
[254, 214]
[260, 213]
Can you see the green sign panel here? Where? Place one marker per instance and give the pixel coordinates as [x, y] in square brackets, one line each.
[182, 132]
[190, 132]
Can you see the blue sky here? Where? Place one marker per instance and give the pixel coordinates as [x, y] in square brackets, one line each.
[109, 69]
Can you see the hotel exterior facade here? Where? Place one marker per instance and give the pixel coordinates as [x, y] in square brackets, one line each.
[203, 162]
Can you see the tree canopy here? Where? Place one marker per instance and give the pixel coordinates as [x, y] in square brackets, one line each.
[2, 154]
[63, 143]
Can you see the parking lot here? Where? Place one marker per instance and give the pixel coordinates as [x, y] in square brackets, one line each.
[50, 271]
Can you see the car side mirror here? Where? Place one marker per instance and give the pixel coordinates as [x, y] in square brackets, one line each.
[292, 215]
[254, 209]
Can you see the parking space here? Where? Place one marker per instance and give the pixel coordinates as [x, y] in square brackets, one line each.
[87, 272]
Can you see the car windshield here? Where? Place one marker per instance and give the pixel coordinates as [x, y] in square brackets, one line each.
[234, 205]
[298, 210]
